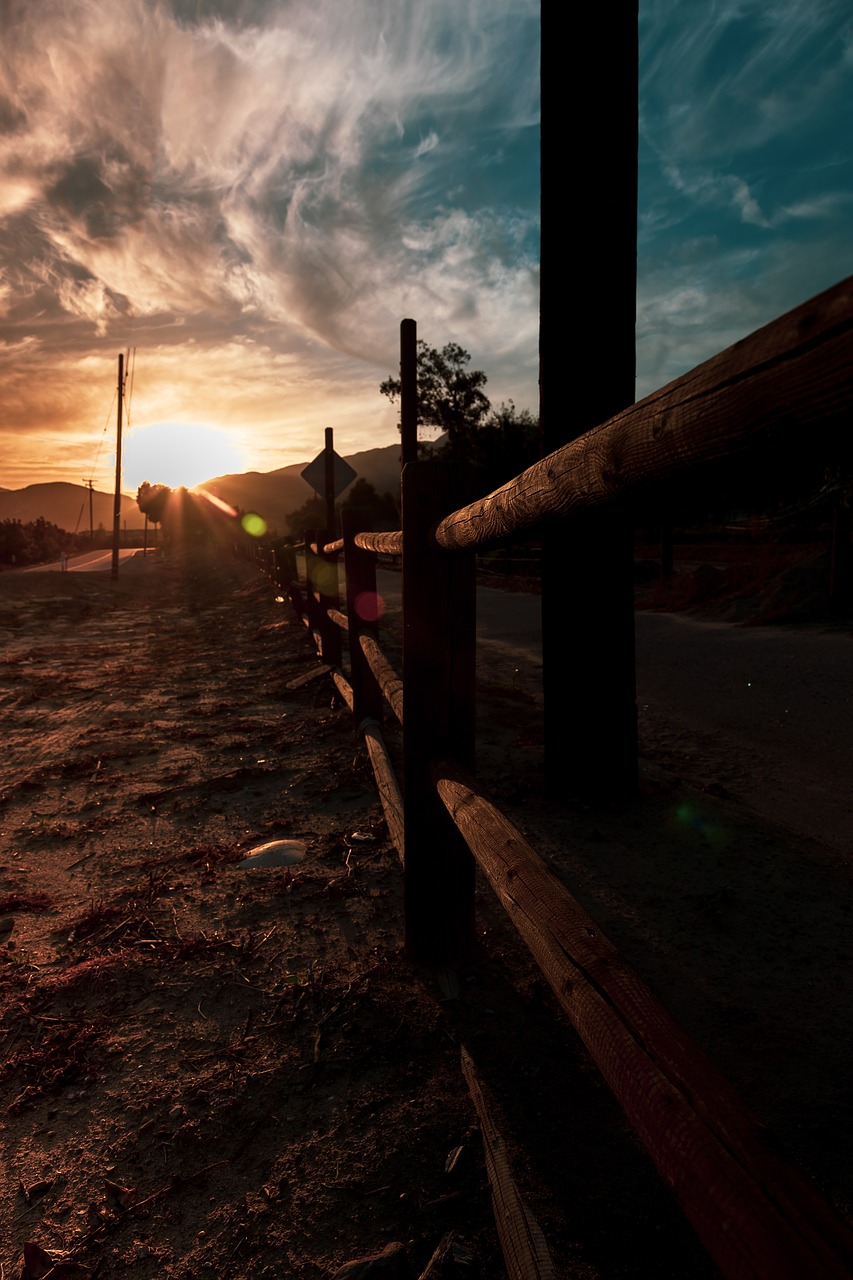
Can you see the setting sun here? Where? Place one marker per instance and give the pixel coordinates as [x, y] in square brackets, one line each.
[178, 453]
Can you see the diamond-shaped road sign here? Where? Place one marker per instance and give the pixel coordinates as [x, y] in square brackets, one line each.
[315, 474]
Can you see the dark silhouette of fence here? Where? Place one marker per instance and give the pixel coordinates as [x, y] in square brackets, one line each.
[776, 397]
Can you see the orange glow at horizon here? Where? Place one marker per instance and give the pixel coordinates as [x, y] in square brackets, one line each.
[178, 454]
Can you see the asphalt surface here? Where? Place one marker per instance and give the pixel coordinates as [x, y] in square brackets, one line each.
[88, 562]
[778, 699]
[768, 708]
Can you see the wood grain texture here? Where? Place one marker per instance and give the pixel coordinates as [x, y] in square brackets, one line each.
[755, 1214]
[387, 785]
[523, 1245]
[388, 680]
[390, 544]
[339, 619]
[777, 391]
[343, 687]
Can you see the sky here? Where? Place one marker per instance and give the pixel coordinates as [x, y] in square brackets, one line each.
[251, 194]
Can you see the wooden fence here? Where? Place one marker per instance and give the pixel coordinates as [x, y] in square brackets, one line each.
[781, 394]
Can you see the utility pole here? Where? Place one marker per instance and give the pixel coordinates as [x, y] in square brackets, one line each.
[117, 503]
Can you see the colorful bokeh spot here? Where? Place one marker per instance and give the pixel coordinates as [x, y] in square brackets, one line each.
[370, 606]
[254, 524]
[688, 817]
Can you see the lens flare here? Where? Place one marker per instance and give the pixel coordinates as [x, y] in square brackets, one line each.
[369, 606]
[254, 524]
[687, 816]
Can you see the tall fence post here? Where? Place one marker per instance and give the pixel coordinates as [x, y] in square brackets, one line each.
[362, 612]
[590, 716]
[438, 717]
[840, 556]
[408, 391]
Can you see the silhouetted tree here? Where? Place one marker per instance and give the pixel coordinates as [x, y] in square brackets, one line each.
[382, 510]
[496, 443]
[152, 499]
[450, 395]
[185, 517]
[506, 443]
[311, 515]
[35, 542]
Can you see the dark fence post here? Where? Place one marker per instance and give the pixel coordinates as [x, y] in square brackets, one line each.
[328, 597]
[360, 575]
[438, 714]
[329, 477]
[408, 391]
[840, 557]
[667, 534]
[590, 718]
[312, 573]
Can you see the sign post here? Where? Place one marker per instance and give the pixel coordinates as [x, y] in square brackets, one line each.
[328, 475]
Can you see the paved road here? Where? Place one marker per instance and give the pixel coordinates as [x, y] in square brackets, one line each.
[88, 562]
[767, 710]
[777, 701]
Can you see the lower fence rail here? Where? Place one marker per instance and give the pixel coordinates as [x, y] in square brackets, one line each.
[386, 784]
[756, 1216]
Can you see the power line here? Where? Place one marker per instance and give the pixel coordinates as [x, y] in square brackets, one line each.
[94, 467]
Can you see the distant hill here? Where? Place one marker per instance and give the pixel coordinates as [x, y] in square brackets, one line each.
[274, 494]
[65, 505]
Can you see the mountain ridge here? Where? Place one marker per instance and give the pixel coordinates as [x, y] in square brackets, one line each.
[66, 505]
[273, 494]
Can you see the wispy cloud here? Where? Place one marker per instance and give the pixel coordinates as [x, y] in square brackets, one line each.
[746, 174]
[281, 177]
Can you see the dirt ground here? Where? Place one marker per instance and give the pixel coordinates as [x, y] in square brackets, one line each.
[216, 1070]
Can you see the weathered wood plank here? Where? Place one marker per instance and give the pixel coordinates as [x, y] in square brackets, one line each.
[387, 678]
[343, 687]
[386, 784]
[523, 1245]
[314, 674]
[390, 544]
[777, 388]
[340, 619]
[754, 1213]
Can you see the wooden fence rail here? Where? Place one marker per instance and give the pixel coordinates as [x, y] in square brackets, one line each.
[755, 1214]
[785, 389]
[779, 391]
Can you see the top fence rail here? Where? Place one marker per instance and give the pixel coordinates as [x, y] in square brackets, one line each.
[793, 376]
